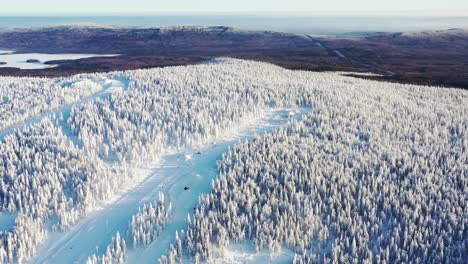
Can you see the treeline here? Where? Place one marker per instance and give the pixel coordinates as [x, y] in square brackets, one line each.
[20, 244]
[44, 176]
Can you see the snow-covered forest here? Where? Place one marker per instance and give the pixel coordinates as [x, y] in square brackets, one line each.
[376, 172]
[172, 107]
[371, 175]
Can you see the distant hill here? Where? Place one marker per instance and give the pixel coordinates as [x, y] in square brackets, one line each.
[429, 57]
[432, 57]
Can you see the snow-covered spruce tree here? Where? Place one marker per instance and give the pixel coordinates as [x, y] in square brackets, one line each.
[115, 253]
[43, 174]
[19, 244]
[146, 225]
[175, 254]
[349, 183]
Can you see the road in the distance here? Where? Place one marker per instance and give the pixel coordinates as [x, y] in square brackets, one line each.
[352, 60]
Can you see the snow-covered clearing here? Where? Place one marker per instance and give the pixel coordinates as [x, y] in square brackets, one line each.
[19, 60]
[170, 175]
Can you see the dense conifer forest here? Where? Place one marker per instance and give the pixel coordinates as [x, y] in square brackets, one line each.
[375, 172]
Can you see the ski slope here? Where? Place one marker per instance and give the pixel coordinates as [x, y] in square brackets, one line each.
[191, 167]
[108, 87]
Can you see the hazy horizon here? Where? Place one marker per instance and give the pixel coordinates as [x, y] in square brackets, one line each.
[376, 13]
[91, 7]
[326, 25]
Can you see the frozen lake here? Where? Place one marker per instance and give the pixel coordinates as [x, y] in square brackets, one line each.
[19, 60]
[4, 52]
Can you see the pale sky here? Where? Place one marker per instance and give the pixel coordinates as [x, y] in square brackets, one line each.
[442, 7]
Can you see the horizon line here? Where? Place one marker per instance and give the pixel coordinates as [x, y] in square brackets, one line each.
[416, 13]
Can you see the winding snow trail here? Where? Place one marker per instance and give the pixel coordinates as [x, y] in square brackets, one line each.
[108, 87]
[191, 167]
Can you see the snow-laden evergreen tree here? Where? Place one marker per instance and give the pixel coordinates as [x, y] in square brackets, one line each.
[146, 225]
[43, 173]
[115, 253]
[20, 244]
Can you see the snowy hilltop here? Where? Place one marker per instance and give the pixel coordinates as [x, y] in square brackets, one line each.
[349, 170]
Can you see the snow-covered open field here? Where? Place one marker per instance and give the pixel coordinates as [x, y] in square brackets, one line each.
[255, 163]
